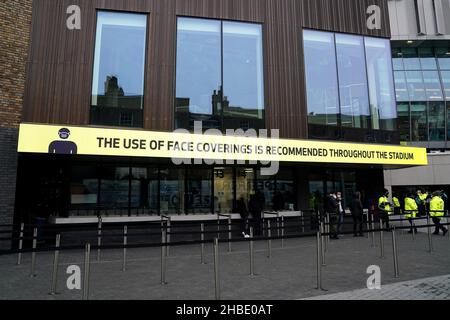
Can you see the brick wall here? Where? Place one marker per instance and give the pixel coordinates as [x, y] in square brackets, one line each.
[15, 21]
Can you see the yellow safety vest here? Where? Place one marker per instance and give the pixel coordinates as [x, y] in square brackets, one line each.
[436, 207]
[423, 196]
[410, 208]
[396, 202]
[386, 207]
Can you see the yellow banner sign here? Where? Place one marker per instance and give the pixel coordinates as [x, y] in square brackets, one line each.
[54, 139]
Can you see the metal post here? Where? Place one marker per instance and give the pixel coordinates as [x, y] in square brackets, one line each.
[413, 228]
[322, 245]
[318, 262]
[55, 265]
[278, 224]
[33, 254]
[202, 245]
[269, 242]
[328, 229]
[163, 257]
[19, 255]
[125, 242]
[218, 226]
[99, 237]
[371, 228]
[87, 265]
[282, 231]
[430, 241]
[394, 251]
[229, 234]
[367, 225]
[252, 264]
[381, 240]
[216, 268]
[303, 221]
[169, 222]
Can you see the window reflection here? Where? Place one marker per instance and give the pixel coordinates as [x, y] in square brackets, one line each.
[416, 86]
[401, 88]
[321, 77]
[219, 77]
[436, 119]
[419, 130]
[199, 191]
[432, 85]
[381, 83]
[353, 91]
[118, 77]
[403, 121]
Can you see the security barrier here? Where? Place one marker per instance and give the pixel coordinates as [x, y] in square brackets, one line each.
[322, 233]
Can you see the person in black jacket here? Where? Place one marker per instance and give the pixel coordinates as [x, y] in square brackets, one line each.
[356, 209]
[332, 207]
[241, 208]
[255, 207]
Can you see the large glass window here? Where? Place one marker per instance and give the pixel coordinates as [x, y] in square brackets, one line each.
[119, 63]
[223, 190]
[443, 55]
[401, 87]
[114, 189]
[243, 85]
[416, 86]
[427, 59]
[446, 83]
[172, 190]
[436, 119]
[321, 77]
[199, 191]
[448, 120]
[381, 83]
[419, 130]
[219, 77]
[83, 190]
[432, 85]
[353, 91]
[403, 121]
[411, 59]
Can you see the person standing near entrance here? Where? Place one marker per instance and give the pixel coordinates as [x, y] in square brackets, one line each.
[384, 207]
[421, 201]
[411, 210]
[341, 212]
[331, 207]
[357, 214]
[436, 212]
[397, 205]
[241, 208]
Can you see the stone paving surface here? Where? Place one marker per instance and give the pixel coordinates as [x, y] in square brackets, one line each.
[290, 273]
[435, 288]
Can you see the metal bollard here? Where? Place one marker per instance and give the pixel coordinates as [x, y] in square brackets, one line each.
[218, 226]
[252, 261]
[202, 245]
[269, 242]
[303, 221]
[169, 222]
[371, 228]
[19, 255]
[322, 246]
[430, 241]
[318, 262]
[87, 266]
[394, 252]
[229, 234]
[278, 224]
[381, 240]
[163, 257]
[33, 254]
[99, 238]
[55, 266]
[125, 242]
[216, 268]
[367, 226]
[282, 231]
[413, 229]
[328, 230]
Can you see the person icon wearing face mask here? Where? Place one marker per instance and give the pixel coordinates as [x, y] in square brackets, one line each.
[63, 146]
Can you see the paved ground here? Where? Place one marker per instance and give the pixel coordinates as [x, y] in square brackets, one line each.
[289, 274]
[435, 288]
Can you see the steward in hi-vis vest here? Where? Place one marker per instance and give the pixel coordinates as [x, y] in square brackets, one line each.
[384, 207]
[411, 210]
[437, 211]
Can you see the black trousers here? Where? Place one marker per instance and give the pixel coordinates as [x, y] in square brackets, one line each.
[410, 220]
[384, 217]
[357, 224]
[438, 225]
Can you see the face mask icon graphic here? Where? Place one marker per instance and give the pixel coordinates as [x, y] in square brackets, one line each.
[63, 146]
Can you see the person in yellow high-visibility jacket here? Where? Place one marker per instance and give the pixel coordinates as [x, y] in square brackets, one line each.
[437, 211]
[422, 200]
[397, 205]
[411, 210]
[384, 207]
